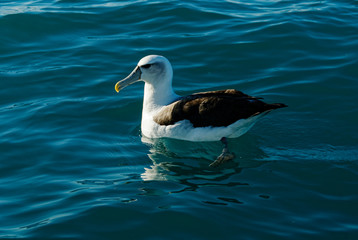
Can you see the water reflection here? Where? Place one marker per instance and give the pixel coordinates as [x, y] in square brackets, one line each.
[177, 160]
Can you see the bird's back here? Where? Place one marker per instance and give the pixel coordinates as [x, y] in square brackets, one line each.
[215, 108]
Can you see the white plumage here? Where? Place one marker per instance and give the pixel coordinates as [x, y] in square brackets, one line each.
[207, 116]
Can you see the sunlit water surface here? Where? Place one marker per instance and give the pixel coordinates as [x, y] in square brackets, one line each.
[73, 163]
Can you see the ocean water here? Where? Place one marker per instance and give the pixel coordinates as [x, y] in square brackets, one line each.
[73, 163]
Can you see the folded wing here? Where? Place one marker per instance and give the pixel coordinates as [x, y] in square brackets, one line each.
[215, 108]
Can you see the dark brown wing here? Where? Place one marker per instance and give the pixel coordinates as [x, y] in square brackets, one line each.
[215, 108]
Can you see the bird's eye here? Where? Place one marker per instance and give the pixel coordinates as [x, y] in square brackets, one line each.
[146, 66]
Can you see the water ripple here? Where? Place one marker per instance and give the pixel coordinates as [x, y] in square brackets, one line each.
[73, 161]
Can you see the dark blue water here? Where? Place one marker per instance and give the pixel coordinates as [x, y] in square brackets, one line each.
[73, 163]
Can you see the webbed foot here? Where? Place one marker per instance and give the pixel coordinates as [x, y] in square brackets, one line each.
[225, 156]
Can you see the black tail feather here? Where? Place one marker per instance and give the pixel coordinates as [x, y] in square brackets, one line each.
[277, 105]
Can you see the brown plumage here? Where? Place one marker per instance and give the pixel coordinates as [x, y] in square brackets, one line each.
[215, 108]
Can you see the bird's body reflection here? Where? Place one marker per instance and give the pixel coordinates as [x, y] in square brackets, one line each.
[177, 160]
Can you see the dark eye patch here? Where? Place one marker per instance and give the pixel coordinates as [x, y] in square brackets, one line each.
[146, 66]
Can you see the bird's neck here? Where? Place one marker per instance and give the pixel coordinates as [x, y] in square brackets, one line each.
[157, 96]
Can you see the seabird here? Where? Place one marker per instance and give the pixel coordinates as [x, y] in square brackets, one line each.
[204, 116]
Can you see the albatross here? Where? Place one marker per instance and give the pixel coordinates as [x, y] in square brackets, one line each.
[204, 116]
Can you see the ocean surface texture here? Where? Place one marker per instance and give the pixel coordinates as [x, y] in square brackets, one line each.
[73, 162]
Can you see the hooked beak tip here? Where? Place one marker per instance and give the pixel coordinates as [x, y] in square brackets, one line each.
[117, 87]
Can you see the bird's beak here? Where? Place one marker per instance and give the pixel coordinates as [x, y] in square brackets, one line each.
[131, 78]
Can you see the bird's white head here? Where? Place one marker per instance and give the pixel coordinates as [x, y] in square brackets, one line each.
[154, 70]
